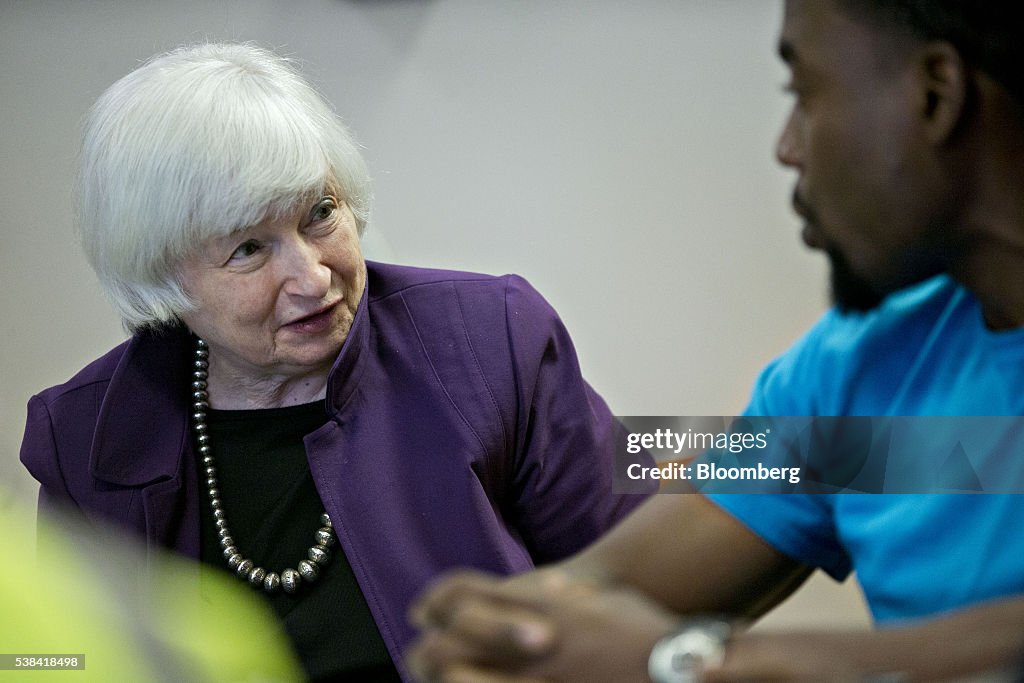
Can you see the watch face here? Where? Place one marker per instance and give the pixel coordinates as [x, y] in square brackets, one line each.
[681, 658]
[697, 647]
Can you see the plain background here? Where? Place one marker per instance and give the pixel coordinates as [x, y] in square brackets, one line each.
[618, 155]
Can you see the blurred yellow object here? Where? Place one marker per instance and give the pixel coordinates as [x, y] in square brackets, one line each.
[82, 594]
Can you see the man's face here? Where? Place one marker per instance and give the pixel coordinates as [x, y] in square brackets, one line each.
[866, 187]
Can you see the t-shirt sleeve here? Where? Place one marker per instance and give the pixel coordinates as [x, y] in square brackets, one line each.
[801, 526]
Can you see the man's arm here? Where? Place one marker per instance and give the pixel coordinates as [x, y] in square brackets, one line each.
[596, 616]
[985, 639]
[689, 555]
[551, 626]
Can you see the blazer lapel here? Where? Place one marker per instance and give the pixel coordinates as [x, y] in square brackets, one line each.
[142, 437]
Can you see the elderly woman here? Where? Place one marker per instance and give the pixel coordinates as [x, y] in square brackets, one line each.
[335, 432]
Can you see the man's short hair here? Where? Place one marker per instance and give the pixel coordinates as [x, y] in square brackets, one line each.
[989, 34]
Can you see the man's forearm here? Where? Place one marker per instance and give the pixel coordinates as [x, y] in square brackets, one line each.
[713, 564]
[988, 637]
[976, 641]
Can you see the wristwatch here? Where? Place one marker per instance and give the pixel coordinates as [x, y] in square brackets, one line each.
[682, 655]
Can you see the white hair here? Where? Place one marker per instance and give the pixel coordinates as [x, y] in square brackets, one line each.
[196, 143]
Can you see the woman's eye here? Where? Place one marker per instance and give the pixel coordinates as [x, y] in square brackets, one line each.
[245, 250]
[323, 210]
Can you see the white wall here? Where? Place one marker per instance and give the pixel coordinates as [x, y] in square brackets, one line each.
[617, 154]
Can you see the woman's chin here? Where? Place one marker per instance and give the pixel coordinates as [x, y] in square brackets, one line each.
[314, 344]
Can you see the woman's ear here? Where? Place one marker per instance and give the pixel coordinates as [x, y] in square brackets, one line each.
[945, 82]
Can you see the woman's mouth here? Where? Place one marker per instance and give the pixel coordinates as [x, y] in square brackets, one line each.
[314, 323]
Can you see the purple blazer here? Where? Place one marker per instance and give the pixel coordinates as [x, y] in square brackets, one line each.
[461, 433]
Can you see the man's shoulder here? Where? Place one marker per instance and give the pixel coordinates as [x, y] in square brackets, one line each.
[898, 325]
[847, 360]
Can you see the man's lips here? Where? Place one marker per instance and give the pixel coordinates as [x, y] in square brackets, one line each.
[800, 206]
[809, 233]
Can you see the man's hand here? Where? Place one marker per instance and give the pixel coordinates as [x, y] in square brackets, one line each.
[550, 626]
[541, 626]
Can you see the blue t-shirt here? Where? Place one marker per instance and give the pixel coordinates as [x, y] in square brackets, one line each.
[925, 351]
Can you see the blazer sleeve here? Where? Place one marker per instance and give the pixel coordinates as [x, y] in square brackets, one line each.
[565, 436]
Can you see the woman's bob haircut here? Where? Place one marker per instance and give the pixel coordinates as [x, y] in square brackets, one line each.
[196, 143]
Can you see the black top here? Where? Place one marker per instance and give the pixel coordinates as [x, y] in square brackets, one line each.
[272, 508]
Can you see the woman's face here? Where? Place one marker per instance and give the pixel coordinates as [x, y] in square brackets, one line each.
[276, 300]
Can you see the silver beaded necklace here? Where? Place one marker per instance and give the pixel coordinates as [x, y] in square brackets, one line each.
[246, 569]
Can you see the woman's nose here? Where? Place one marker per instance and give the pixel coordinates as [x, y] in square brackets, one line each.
[307, 274]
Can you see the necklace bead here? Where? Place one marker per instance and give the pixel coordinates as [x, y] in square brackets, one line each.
[257, 575]
[319, 554]
[289, 579]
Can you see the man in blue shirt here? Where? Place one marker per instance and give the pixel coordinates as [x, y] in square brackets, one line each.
[907, 136]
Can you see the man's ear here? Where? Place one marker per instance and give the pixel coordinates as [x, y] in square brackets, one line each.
[945, 82]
